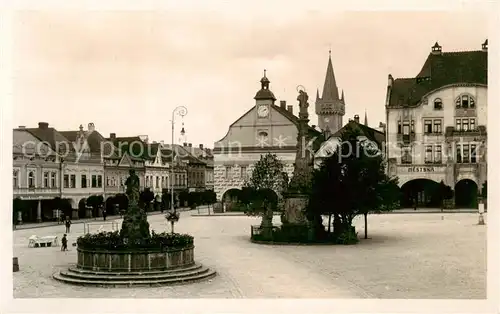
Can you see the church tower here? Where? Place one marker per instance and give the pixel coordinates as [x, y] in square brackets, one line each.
[330, 108]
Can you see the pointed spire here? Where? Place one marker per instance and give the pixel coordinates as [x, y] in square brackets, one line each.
[330, 90]
[342, 97]
[317, 94]
[366, 119]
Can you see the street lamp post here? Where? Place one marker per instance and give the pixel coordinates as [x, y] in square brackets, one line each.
[178, 111]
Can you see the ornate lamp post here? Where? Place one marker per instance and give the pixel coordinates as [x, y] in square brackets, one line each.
[173, 216]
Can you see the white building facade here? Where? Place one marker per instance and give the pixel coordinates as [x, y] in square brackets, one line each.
[436, 126]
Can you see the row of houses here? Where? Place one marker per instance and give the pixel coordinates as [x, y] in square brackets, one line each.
[73, 165]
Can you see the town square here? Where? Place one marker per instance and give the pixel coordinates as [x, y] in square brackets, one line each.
[156, 158]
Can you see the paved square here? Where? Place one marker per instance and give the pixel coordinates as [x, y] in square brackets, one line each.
[409, 256]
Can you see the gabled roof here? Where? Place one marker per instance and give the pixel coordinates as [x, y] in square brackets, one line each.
[48, 135]
[440, 70]
[139, 151]
[23, 142]
[371, 134]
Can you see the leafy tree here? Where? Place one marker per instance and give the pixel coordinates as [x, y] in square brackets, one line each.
[268, 179]
[352, 182]
[82, 208]
[165, 200]
[110, 205]
[183, 198]
[146, 197]
[122, 201]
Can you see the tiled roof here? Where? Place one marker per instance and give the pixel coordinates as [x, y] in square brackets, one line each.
[293, 118]
[48, 135]
[143, 151]
[440, 70]
[371, 134]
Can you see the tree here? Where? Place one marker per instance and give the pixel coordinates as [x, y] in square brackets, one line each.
[122, 201]
[146, 197]
[352, 182]
[110, 205]
[165, 200]
[268, 179]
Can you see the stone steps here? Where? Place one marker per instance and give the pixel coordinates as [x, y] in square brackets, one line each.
[133, 273]
[125, 279]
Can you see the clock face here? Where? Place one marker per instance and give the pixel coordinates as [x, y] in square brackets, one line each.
[327, 120]
[263, 111]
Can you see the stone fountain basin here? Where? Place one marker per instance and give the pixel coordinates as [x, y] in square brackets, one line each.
[135, 261]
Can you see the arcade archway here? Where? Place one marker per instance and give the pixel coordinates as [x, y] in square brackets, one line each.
[466, 194]
[231, 199]
[420, 193]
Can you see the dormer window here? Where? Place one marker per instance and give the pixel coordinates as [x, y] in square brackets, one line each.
[465, 101]
[438, 104]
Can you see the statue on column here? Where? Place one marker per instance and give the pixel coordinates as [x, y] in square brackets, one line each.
[135, 226]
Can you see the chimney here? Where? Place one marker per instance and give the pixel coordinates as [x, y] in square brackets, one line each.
[436, 49]
[91, 127]
[390, 81]
[154, 142]
[43, 125]
[112, 136]
[484, 46]
[190, 144]
[201, 146]
[184, 144]
[283, 104]
[356, 118]
[290, 109]
[21, 127]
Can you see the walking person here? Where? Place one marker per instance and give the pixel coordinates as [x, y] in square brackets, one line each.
[68, 225]
[64, 241]
[104, 214]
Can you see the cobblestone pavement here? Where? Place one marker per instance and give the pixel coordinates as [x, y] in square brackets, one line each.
[408, 256]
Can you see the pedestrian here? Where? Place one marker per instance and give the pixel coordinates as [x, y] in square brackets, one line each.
[68, 225]
[64, 241]
[104, 214]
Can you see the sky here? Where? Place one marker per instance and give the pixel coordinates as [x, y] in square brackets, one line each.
[125, 71]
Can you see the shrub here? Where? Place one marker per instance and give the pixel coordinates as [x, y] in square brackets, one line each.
[112, 241]
[348, 237]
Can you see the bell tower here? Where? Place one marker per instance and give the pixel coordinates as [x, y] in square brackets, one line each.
[330, 108]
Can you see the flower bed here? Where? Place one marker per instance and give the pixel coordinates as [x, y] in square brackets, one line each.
[111, 241]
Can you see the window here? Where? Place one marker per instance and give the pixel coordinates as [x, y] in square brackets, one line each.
[31, 179]
[66, 181]
[406, 128]
[405, 156]
[428, 154]
[412, 128]
[466, 153]
[465, 125]
[472, 125]
[228, 170]
[243, 172]
[438, 154]
[459, 154]
[458, 125]
[46, 179]
[473, 153]
[157, 182]
[438, 104]
[399, 127]
[84, 181]
[53, 179]
[15, 178]
[427, 126]
[465, 101]
[99, 181]
[437, 126]
[94, 181]
[73, 181]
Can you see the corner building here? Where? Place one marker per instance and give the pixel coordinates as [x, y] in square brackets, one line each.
[436, 127]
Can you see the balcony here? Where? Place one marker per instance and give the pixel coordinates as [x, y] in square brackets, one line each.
[480, 131]
[36, 191]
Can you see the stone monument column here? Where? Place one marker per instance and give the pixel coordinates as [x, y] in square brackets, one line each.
[296, 198]
[39, 211]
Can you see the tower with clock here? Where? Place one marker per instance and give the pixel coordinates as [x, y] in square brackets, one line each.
[264, 98]
[330, 108]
